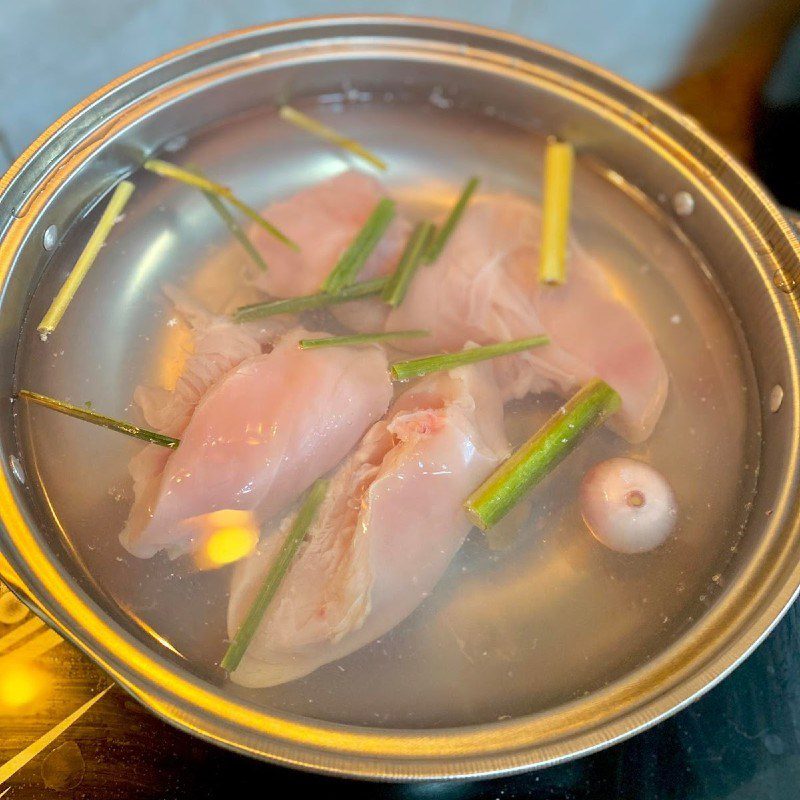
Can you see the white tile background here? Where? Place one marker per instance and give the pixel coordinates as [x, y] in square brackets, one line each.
[54, 52]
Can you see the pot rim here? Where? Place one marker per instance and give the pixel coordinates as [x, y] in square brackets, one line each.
[488, 749]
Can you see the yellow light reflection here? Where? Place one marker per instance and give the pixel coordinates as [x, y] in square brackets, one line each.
[176, 347]
[230, 544]
[226, 536]
[21, 683]
[12, 610]
[149, 263]
[152, 631]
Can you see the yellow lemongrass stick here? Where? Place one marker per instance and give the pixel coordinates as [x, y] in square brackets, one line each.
[558, 161]
[315, 127]
[84, 263]
[190, 178]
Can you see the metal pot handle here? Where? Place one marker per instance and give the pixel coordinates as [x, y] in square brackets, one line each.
[784, 280]
[793, 217]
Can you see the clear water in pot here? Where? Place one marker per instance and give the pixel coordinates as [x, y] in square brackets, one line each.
[538, 614]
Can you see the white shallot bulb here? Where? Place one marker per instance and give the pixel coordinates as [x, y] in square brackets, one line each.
[628, 505]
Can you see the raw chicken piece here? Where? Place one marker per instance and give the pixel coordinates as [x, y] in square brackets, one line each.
[323, 220]
[390, 524]
[485, 288]
[219, 345]
[262, 433]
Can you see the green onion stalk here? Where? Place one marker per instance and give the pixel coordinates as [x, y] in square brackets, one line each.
[398, 284]
[417, 367]
[353, 259]
[440, 237]
[360, 338]
[309, 302]
[553, 442]
[100, 419]
[277, 572]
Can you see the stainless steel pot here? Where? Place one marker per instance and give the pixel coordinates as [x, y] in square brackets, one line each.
[748, 244]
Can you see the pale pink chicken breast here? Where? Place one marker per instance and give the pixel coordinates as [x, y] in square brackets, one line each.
[218, 345]
[257, 438]
[390, 524]
[323, 220]
[485, 288]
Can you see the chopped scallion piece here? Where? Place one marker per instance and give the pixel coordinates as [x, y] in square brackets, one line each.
[360, 338]
[442, 234]
[84, 263]
[416, 367]
[275, 575]
[309, 302]
[398, 284]
[190, 178]
[558, 162]
[312, 125]
[498, 494]
[99, 419]
[366, 240]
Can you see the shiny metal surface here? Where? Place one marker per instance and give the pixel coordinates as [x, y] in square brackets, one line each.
[739, 232]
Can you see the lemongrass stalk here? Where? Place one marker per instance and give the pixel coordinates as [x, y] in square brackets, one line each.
[317, 128]
[309, 302]
[84, 263]
[99, 419]
[365, 241]
[231, 224]
[360, 338]
[190, 177]
[442, 234]
[558, 163]
[398, 284]
[416, 367]
[556, 439]
[275, 575]
[252, 214]
[235, 229]
[167, 170]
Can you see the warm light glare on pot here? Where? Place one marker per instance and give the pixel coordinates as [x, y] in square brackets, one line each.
[20, 684]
